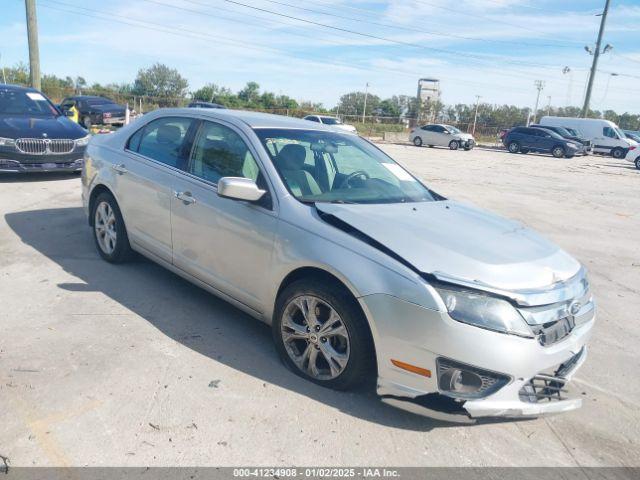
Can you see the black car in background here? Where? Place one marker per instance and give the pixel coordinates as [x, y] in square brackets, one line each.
[202, 104]
[94, 110]
[563, 132]
[35, 136]
[531, 139]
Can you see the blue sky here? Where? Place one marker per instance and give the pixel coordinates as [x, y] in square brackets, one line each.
[492, 48]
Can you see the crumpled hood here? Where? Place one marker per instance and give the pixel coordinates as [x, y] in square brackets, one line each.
[456, 241]
[23, 126]
[464, 136]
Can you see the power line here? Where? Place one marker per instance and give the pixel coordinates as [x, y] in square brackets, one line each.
[410, 29]
[385, 39]
[199, 35]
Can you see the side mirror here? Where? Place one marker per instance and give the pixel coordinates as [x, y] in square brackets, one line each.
[239, 188]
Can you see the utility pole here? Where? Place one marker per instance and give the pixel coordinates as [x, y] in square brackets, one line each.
[596, 55]
[4, 79]
[565, 71]
[540, 86]
[549, 106]
[364, 109]
[475, 117]
[32, 34]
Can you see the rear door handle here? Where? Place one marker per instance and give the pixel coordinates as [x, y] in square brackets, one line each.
[185, 197]
[120, 169]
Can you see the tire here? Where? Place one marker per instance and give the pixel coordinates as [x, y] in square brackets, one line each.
[86, 121]
[454, 145]
[430, 146]
[112, 245]
[617, 153]
[513, 147]
[637, 162]
[354, 348]
[417, 141]
[524, 150]
[558, 151]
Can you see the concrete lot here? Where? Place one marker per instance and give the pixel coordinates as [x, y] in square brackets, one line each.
[129, 365]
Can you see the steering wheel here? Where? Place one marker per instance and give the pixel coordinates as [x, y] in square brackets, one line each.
[351, 176]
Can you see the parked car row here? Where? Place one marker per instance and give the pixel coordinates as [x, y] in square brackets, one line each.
[567, 137]
[93, 110]
[439, 135]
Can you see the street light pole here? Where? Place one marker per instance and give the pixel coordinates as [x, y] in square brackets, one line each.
[540, 86]
[594, 65]
[549, 106]
[364, 109]
[34, 52]
[475, 116]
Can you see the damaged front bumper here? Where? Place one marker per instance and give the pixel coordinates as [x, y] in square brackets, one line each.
[536, 374]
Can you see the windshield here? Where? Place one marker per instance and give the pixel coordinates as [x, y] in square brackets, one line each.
[330, 167]
[330, 121]
[19, 102]
[453, 130]
[564, 132]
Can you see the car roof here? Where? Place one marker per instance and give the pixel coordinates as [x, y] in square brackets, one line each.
[17, 88]
[90, 97]
[252, 119]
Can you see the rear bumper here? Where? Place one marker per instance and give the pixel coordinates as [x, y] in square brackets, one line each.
[112, 120]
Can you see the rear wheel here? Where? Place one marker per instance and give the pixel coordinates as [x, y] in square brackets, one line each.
[417, 141]
[109, 232]
[86, 121]
[558, 152]
[638, 163]
[513, 147]
[321, 334]
[453, 145]
[617, 153]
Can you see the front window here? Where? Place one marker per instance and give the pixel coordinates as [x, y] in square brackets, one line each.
[609, 132]
[20, 102]
[334, 168]
[453, 130]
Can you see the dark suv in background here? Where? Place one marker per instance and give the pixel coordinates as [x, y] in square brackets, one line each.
[35, 136]
[93, 110]
[531, 139]
[586, 149]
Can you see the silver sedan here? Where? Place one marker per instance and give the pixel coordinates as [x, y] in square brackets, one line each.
[363, 272]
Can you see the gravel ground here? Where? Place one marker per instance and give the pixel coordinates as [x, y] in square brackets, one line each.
[108, 365]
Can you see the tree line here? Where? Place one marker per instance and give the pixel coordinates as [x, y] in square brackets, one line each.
[162, 86]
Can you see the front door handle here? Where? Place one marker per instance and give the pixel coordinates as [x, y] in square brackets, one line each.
[120, 169]
[185, 197]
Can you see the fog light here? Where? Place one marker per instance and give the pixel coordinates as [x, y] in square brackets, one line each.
[459, 380]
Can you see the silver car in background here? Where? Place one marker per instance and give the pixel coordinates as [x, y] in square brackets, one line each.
[363, 272]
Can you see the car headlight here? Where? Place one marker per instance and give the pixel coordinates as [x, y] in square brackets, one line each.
[484, 311]
[7, 142]
[81, 142]
[572, 145]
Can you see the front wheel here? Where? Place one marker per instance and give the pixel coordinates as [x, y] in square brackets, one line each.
[453, 145]
[417, 142]
[321, 334]
[558, 152]
[618, 153]
[638, 163]
[513, 147]
[109, 231]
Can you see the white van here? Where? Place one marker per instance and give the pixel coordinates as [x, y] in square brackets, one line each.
[605, 136]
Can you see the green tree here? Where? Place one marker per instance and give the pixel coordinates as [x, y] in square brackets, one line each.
[165, 84]
[250, 93]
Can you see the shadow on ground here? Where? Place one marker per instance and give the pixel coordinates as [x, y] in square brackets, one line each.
[36, 177]
[186, 313]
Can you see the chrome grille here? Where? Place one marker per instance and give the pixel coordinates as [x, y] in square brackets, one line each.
[42, 146]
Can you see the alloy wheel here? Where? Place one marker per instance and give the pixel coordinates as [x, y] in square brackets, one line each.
[105, 227]
[315, 337]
